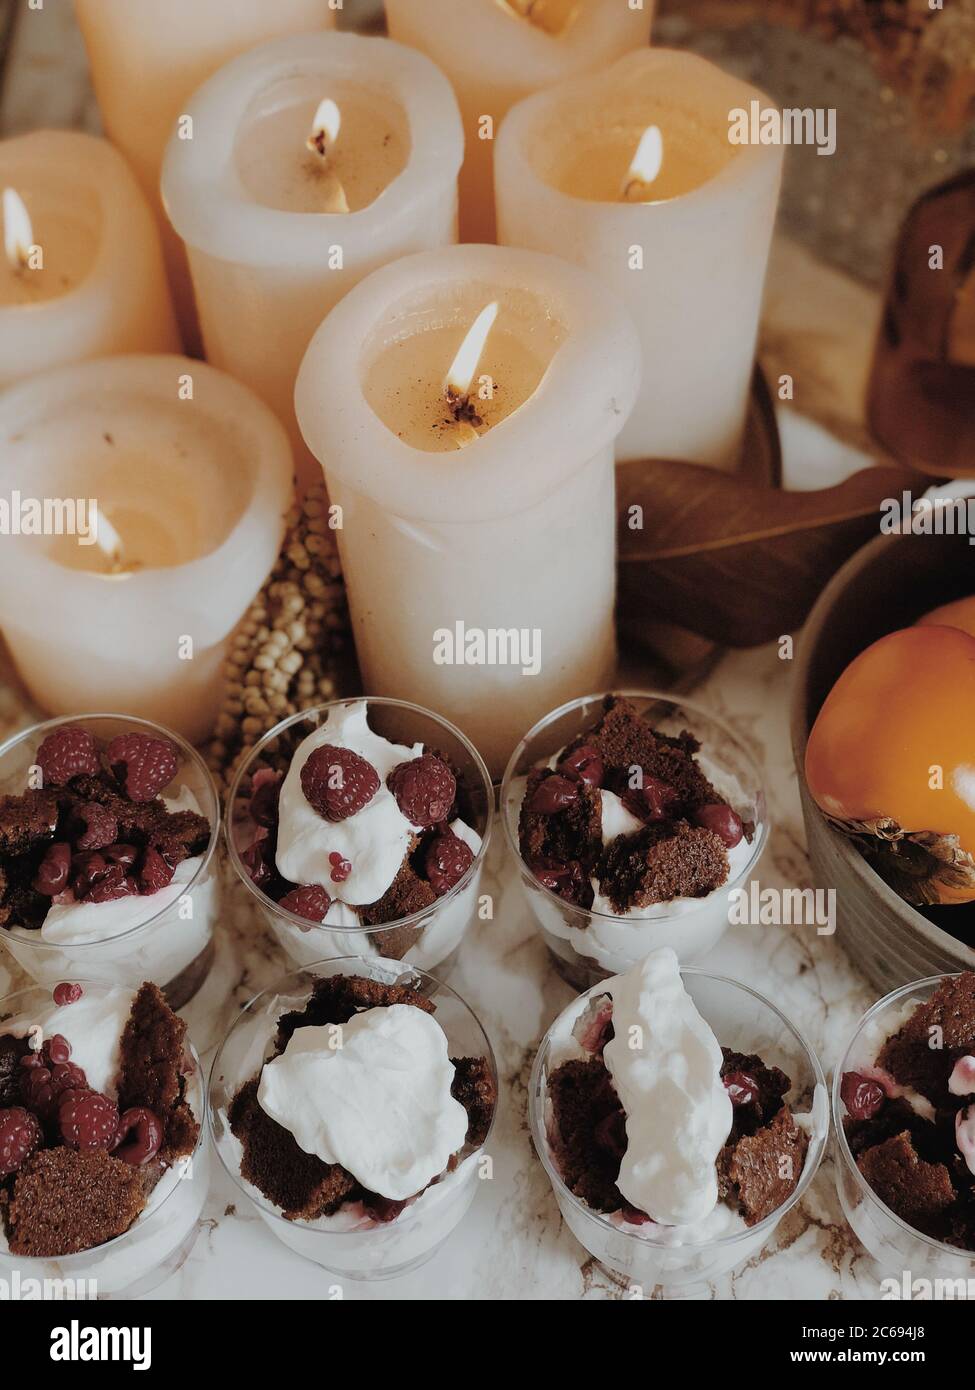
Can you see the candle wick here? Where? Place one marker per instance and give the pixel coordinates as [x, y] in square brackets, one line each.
[462, 408]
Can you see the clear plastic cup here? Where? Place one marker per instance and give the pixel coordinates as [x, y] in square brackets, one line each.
[349, 1244]
[650, 1256]
[429, 938]
[156, 1245]
[170, 942]
[588, 946]
[898, 1248]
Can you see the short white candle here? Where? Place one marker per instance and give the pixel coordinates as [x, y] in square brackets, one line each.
[191, 496]
[685, 240]
[148, 57]
[271, 245]
[81, 272]
[496, 52]
[497, 524]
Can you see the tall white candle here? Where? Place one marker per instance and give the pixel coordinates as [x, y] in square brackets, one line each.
[684, 236]
[146, 60]
[81, 272]
[191, 491]
[478, 525]
[496, 52]
[272, 246]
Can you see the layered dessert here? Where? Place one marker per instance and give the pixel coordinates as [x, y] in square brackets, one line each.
[95, 1120]
[349, 830]
[909, 1102]
[106, 837]
[359, 1120]
[630, 825]
[655, 1126]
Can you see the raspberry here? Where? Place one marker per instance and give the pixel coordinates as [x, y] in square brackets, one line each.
[140, 1136]
[553, 795]
[722, 820]
[66, 993]
[742, 1089]
[44, 1088]
[142, 764]
[20, 1135]
[311, 902]
[337, 782]
[155, 872]
[56, 1050]
[126, 855]
[447, 860]
[88, 1120]
[67, 752]
[584, 765]
[862, 1096]
[101, 827]
[341, 867]
[53, 871]
[424, 789]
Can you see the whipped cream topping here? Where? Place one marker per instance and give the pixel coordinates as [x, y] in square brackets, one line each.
[372, 1095]
[374, 840]
[962, 1079]
[93, 1025]
[965, 1136]
[616, 819]
[666, 1067]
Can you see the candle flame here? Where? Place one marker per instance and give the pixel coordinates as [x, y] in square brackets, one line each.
[646, 165]
[554, 16]
[109, 542]
[324, 128]
[18, 234]
[457, 384]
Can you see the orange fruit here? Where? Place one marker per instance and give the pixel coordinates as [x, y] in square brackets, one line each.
[896, 738]
[960, 614]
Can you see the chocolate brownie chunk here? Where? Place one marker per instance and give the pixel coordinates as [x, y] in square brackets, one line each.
[626, 741]
[63, 1201]
[894, 1117]
[659, 864]
[919, 1193]
[589, 1132]
[476, 1089]
[923, 1053]
[408, 893]
[299, 1183]
[771, 1083]
[152, 1051]
[764, 1168]
[180, 835]
[337, 998]
[28, 820]
[574, 833]
[11, 1051]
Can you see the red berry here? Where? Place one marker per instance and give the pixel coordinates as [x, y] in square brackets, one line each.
[585, 765]
[56, 1050]
[140, 1136]
[424, 789]
[88, 1120]
[20, 1135]
[67, 752]
[447, 860]
[265, 795]
[142, 764]
[722, 820]
[311, 902]
[126, 855]
[554, 795]
[337, 782]
[97, 880]
[610, 1133]
[101, 827]
[742, 1088]
[634, 1216]
[155, 872]
[341, 867]
[862, 1096]
[258, 860]
[599, 1030]
[53, 871]
[658, 797]
[66, 993]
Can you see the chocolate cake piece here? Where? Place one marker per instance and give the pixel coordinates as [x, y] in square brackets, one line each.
[63, 1201]
[895, 1116]
[299, 1183]
[919, 1193]
[11, 1051]
[476, 1089]
[764, 1168]
[574, 833]
[27, 821]
[772, 1085]
[152, 1050]
[626, 741]
[408, 893]
[923, 1053]
[136, 819]
[659, 864]
[336, 998]
[588, 1132]
[180, 835]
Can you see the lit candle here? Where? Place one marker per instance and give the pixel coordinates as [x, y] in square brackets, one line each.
[496, 52]
[464, 405]
[315, 161]
[632, 174]
[81, 272]
[157, 491]
[146, 60]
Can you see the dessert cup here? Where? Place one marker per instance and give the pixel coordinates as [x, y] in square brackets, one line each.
[349, 1246]
[586, 945]
[897, 1247]
[171, 944]
[156, 1245]
[649, 1256]
[428, 938]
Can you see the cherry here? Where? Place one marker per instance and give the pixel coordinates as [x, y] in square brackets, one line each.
[140, 1136]
[723, 821]
[52, 872]
[741, 1088]
[553, 795]
[861, 1095]
[584, 765]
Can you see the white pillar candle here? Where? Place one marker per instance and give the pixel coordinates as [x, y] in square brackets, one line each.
[191, 492]
[684, 237]
[81, 272]
[478, 551]
[496, 52]
[146, 60]
[270, 250]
